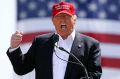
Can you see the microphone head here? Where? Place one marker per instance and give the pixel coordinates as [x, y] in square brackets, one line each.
[55, 38]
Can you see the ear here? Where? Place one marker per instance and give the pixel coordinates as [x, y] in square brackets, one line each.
[52, 18]
[74, 17]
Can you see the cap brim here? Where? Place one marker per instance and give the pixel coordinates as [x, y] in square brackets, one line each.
[64, 12]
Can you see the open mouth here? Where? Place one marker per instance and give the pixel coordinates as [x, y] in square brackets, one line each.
[63, 27]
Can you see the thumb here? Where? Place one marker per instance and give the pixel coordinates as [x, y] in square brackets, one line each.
[17, 32]
[21, 33]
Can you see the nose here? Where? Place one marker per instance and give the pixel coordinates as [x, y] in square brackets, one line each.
[63, 20]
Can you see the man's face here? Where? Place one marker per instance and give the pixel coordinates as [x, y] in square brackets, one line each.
[64, 24]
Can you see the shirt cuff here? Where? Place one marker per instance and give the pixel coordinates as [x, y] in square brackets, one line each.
[13, 49]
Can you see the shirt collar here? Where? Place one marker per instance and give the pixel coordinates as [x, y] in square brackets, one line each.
[71, 36]
[67, 41]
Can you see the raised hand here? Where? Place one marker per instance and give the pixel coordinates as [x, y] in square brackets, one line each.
[16, 39]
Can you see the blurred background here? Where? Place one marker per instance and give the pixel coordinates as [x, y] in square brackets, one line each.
[99, 19]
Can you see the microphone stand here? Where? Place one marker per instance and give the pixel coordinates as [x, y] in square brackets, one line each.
[80, 63]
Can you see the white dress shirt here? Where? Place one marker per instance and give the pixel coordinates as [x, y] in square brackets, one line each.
[59, 66]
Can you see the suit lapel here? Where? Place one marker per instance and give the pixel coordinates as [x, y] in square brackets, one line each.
[77, 45]
[48, 63]
[71, 68]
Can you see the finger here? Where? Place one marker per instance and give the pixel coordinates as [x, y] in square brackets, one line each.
[16, 36]
[19, 38]
[19, 35]
[17, 32]
[16, 41]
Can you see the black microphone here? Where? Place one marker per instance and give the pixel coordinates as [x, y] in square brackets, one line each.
[56, 39]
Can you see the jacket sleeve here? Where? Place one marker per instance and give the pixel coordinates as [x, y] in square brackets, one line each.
[94, 62]
[22, 63]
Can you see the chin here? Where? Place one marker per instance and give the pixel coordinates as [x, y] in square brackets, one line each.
[64, 35]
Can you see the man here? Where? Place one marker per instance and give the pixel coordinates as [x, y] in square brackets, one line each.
[52, 63]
